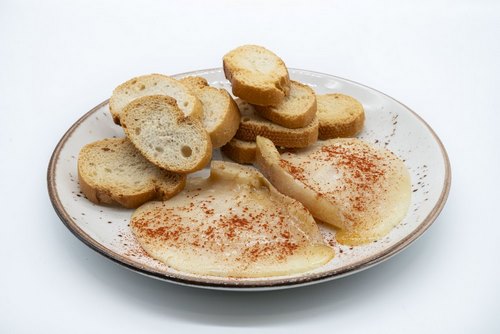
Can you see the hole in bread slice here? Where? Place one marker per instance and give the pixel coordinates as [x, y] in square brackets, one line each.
[186, 151]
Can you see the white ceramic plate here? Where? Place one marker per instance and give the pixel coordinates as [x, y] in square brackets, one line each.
[388, 123]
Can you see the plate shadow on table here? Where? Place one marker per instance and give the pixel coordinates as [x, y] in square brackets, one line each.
[250, 309]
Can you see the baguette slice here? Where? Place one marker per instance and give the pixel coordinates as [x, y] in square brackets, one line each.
[243, 152]
[240, 151]
[252, 125]
[233, 224]
[297, 110]
[363, 190]
[112, 171]
[167, 138]
[257, 75]
[154, 84]
[195, 83]
[221, 116]
[339, 116]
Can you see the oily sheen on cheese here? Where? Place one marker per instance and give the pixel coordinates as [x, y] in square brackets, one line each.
[232, 224]
[363, 190]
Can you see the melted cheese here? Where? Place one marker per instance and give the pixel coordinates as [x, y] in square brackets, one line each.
[231, 224]
[369, 186]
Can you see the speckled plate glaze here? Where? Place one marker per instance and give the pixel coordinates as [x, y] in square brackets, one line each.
[388, 124]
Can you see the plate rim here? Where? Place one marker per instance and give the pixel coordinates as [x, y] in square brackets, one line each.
[242, 285]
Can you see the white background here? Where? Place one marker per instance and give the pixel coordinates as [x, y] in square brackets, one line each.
[58, 59]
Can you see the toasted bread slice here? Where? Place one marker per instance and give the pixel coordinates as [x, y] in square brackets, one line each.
[240, 151]
[252, 125]
[363, 190]
[195, 82]
[243, 152]
[154, 84]
[297, 110]
[257, 75]
[167, 138]
[233, 224]
[221, 116]
[113, 171]
[339, 116]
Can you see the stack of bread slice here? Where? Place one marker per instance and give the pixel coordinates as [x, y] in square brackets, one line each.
[287, 112]
[171, 128]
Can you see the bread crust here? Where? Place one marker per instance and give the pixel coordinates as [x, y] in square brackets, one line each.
[139, 84]
[243, 152]
[271, 93]
[228, 117]
[102, 195]
[152, 102]
[340, 121]
[299, 119]
[112, 194]
[228, 126]
[240, 151]
[195, 82]
[292, 139]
